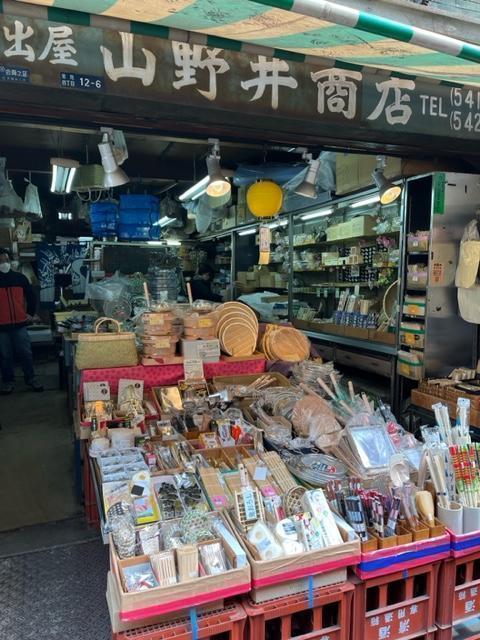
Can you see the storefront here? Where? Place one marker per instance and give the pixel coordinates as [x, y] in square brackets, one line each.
[203, 432]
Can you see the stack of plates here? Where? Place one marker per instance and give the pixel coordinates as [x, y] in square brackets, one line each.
[237, 329]
[285, 343]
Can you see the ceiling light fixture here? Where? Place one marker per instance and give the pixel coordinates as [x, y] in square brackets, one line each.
[388, 192]
[173, 243]
[165, 221]
[63, 172]
[317, 214]
[196, 190]
[277, 223]
[113, 151]
[308, 188]
[365, 201]
[218, 185]
[247, 232]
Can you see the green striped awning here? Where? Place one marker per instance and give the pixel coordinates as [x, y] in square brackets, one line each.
[240, 24]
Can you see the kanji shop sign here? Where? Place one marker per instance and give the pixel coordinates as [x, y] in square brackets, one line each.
[39, 52]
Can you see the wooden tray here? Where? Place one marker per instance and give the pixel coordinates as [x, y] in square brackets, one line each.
[285, 343]
[238, 339]
[238, 307]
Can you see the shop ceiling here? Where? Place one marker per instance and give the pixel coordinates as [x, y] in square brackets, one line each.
[374, 41]
[152, 158]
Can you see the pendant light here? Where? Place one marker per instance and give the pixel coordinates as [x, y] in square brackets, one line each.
[113, 151]
[308, 188]
[218, 185]
[387, 191]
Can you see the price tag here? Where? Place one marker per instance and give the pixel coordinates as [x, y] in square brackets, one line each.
[265, 236]
[249, 504]
[156, 319]
[204, 323]
[193, 369]
[260, 472]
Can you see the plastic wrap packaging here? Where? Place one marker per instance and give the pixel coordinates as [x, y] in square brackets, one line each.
[313, 418]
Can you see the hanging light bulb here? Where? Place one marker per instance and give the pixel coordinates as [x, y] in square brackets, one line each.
[308, 188]
[218, 186]
[387, 191]
[114, 176]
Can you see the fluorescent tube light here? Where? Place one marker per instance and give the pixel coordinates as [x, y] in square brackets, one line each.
[197, 187]
[365, 201]
[317, 214]
[247, 232]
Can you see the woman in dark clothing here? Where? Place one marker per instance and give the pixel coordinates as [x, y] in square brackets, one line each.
[202, 285]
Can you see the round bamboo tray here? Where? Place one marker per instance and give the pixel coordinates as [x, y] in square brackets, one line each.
[238, 339]
[285, 343]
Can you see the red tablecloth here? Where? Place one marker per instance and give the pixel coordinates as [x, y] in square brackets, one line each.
[168, 374]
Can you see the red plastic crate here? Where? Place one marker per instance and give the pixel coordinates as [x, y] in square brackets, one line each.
[458, 590]
[462, 631]
[399, 605]
[229, 620]
[294, 617]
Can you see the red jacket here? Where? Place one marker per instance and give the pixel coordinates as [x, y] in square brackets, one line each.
[17, 299]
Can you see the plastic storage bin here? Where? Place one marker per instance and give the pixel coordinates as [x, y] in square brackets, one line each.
[418, 242]
[414, 306]
[412, 334]
[410, 364]
[417, 276]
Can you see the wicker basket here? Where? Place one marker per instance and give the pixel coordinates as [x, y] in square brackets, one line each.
[105, 350]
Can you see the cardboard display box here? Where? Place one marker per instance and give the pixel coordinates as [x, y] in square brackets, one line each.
[159, 601]
[292, 569]
[206, 350]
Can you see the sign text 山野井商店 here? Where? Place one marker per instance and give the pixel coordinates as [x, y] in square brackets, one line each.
[39, 52]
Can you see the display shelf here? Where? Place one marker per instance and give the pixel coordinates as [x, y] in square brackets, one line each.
[353, 240]
[376, 347]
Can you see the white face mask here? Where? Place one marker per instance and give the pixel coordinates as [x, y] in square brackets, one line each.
[5, 267]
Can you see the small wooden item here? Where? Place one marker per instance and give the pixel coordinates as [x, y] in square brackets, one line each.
[187, 562]
[163, 565]
[293, 501]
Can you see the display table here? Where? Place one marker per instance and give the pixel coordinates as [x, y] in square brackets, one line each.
[169, 374]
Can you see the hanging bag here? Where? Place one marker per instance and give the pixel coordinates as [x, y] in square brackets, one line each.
[105, 350]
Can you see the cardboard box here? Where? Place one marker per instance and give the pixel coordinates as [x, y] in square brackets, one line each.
[159, 601]
[242, 277]
[252, 276]
[297, 586]
[360, 226]
[206, 350]
[354, 171]
[267, 573]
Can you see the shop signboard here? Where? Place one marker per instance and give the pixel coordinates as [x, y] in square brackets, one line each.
[126, 64]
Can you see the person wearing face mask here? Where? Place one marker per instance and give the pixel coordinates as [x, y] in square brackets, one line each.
[17, 308]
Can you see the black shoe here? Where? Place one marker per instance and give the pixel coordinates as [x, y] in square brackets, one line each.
[6, 388]
[35, 386]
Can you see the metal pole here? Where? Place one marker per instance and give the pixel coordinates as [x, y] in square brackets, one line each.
[337, 14]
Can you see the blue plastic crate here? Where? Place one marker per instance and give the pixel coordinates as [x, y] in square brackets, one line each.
[139, 201]
[138, 232]
[138, 217]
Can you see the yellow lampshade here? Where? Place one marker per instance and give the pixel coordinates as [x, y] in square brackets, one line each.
[264, 198]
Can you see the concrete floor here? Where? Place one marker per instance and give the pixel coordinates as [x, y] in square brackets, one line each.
[36, 454]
